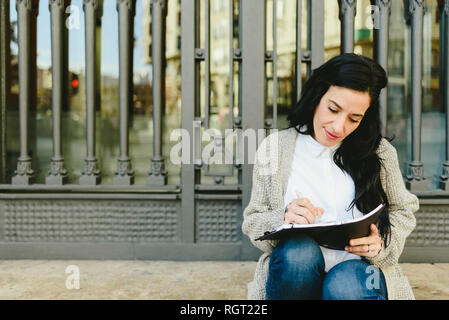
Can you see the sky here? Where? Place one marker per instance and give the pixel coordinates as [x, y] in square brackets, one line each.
[109, 51]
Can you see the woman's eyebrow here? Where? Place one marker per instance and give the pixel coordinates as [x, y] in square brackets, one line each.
[354, 114]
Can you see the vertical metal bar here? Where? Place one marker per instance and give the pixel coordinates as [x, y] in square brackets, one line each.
[189, 96]
[231, 64]
[207, 64]
[32, 122]
[238, 120]
[315, 34]
[444, 86]
[98, 59]
[197, 39]
[126, 11]
[24, 173]
[220, 140]
[298, 49]
[445, 71]
[416, 10]
[442, 48]
[57, 173]
[347, 14]
[66, 83]
[381, 50]
[158, 175]
[232, 59]
[275, 68]
[92, 9]
[415, 176]
[5, 67]
[253, 93]
[198, 122]
[253, 64]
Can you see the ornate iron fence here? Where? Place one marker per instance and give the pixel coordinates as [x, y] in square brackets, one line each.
[193, 219]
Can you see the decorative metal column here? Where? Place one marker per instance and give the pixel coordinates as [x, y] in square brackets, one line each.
[415, 175]
[58, 173]
[92, 11]
[298, 50]
[126, 11]
[24, 174]
[205, 57]
[219, 140]
[444, 84]
[253, 90]
[315, 34]
[274, 123]
[347, 14]
[158, 174]
[380, 30]
[5, 67]
[189, 95]
[199, 56]
[233, 54]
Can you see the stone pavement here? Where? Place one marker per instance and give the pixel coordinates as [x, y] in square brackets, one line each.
[117, 279]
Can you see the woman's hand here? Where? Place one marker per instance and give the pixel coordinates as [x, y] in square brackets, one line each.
[301, 211]
[369, 246]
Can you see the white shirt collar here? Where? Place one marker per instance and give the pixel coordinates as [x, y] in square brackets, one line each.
[317, 149]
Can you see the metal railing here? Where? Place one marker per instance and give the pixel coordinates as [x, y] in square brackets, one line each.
[250, 56]
[91, 175]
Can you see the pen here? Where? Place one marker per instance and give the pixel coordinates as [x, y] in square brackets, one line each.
[299, 195]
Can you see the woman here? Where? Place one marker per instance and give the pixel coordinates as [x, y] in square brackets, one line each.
[331, 164]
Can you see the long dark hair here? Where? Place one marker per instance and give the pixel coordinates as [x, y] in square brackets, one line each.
[357, 153]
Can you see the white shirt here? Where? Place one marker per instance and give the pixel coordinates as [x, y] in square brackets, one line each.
[316, 177]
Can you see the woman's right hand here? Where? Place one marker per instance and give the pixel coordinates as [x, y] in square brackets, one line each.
[302, 211]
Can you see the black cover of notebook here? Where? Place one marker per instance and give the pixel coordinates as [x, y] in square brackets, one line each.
[329, 235]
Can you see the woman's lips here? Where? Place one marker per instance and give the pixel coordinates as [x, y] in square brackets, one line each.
[330, 135]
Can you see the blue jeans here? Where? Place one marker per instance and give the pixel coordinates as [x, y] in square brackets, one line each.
[296, 271]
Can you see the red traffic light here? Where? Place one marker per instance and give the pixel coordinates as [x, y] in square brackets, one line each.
[75, 83]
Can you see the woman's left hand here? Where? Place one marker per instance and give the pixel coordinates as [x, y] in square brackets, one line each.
[369, 246]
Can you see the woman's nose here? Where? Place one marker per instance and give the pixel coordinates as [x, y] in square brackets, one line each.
[339, 126]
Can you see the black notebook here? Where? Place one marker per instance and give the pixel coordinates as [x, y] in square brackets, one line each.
[334, 235]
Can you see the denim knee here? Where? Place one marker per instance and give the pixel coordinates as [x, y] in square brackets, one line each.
[354, 280]
[296, 269]
[300, 253]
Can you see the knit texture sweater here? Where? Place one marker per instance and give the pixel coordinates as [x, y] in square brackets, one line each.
[265, 211]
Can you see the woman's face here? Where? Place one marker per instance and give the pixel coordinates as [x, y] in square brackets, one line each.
[338, 114]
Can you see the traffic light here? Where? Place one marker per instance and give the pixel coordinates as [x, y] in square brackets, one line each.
[74, 83]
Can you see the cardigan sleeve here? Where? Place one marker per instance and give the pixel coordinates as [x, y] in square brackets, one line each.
[403, 205]
[259, 216]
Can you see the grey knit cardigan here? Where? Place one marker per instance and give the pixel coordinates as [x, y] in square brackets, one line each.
[265, 211]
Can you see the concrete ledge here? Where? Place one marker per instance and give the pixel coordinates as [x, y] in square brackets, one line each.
[174, 280]
[171, 251]
[425, 255]
[120, 251]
